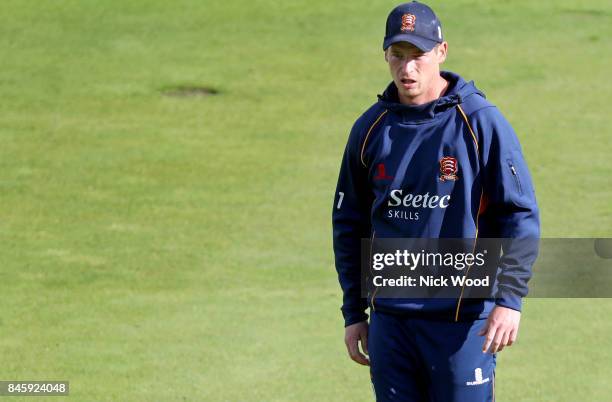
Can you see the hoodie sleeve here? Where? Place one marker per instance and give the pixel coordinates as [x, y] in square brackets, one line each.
[511, 208]
[351, 223]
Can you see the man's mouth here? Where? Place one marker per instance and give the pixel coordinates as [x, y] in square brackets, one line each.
[408, 83]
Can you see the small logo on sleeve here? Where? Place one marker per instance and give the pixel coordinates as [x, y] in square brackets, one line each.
[448, 168]
[408, 21]
[381, 174]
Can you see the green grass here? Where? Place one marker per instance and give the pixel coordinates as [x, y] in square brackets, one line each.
[179, 249]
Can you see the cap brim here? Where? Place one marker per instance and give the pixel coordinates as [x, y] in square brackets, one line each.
[424, 44]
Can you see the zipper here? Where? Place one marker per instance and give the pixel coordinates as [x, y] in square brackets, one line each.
[516, 177]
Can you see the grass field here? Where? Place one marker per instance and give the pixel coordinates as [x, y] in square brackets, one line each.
[164, 248]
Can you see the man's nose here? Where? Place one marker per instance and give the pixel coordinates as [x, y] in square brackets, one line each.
[408, 66]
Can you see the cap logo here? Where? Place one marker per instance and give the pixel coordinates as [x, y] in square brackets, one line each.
[408, 21]
[448, 168]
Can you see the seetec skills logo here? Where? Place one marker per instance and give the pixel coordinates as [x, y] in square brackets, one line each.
[426, 201]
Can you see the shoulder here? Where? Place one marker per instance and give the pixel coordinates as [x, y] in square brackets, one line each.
[484, 115]
[493, 129]
[476, 104]
[371, 116]
[364, 123]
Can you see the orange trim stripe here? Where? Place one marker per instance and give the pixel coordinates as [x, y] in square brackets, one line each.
[375, 290]
[470, 127]
[467, 271]
[368, 135]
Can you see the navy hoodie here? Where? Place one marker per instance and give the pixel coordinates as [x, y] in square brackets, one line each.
[450, 168]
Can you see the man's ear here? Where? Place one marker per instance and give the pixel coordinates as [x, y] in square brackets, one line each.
[442, 51]
[386, 58]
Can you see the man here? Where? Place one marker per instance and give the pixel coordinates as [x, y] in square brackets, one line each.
[431, 136]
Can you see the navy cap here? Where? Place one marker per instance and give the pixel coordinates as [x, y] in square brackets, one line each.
[414, 23]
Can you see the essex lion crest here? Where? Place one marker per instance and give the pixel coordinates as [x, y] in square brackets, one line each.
[408, 21]
[448, 168]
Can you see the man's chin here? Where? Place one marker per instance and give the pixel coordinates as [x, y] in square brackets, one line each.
[409, 94]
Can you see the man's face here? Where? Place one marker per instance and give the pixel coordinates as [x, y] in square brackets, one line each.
[415, 72]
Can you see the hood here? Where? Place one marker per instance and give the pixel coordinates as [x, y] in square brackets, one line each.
[457, 91]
